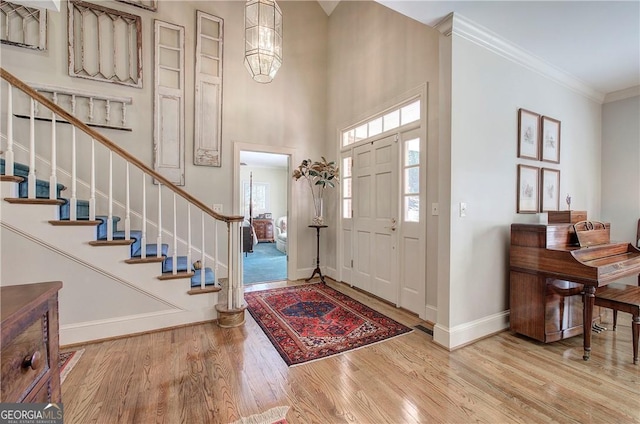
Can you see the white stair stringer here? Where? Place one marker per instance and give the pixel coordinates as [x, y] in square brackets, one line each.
[175, 306]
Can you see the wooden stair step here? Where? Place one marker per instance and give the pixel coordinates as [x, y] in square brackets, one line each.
[111, 242]
[171, 276]
[79, 222]
[147, 260]
[11, 178]
[208, 289]
[26, 201]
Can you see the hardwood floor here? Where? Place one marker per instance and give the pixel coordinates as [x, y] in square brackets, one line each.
[205, 374]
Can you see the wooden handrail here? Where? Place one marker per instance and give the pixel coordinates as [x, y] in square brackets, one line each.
[112, 146]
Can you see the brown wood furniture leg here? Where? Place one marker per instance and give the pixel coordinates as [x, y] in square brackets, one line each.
[635, 328]
[587, 317]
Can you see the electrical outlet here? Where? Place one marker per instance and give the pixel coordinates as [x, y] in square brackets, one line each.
[217, 207]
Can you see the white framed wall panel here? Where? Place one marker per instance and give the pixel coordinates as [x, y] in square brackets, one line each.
[168, 136]
[208, 90]
[104, 44]
[23, 26]
[145, 4]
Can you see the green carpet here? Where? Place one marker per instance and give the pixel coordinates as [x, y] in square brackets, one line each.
[266, 263]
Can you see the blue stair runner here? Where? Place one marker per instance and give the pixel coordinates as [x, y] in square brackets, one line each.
[19, 170]
[183, 266]
[209, 278]
[42, 186]
[82, 213]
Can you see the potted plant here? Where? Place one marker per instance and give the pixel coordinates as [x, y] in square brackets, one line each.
[319, 175]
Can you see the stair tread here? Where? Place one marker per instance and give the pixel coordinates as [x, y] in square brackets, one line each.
[207, 289]
[171, 276]
[146, 260]
[120, 242]
[79, 222]
[11, 178]
[36, 201]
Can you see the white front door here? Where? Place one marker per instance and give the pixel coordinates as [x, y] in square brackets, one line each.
[375, 218]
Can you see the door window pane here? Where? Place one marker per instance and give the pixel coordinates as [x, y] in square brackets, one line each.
[346, 167]
[391, 120]
[412, 180]
[346, 208]
[375, 127]
[410, 113]
[412, 208]
[412, 152]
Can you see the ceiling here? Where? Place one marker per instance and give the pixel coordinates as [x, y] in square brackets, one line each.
[263, 160]
[596, 42]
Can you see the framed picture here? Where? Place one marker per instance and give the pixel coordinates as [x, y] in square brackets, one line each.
[267, 215]
[549, 190]
[528, 134]
[528, 194]
[550, 140]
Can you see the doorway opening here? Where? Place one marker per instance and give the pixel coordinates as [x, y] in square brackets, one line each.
[264, 203]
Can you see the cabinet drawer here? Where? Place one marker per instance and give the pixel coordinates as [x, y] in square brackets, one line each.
[18, 377]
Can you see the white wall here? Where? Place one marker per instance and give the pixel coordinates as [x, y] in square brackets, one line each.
[108, 298]
[487, 90]
[621, 167]
[277, 178]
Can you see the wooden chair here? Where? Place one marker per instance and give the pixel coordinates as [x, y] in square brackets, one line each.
[625, 298]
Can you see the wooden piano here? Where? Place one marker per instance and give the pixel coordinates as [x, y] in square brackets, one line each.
[555, 270]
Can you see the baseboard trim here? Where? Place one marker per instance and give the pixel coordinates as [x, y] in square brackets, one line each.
[470, 332]
[127, 326]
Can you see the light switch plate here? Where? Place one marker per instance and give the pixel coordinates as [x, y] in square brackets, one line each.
[217, 208]
[463, 209]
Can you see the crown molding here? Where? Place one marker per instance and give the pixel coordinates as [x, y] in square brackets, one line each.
[614, 96]
[456, 24]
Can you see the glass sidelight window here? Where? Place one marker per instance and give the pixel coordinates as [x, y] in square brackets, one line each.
[411, 180]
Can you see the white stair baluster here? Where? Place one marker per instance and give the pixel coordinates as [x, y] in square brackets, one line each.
[215, 249]
[175, 237]
[110, 214]
[229, 268]
[189, 237]
[143, 239]
[8, 155]
[73, 202]
[202, 274]
[31, 185]
[92, 188]
[159, 240]
[53, 178]
[127, 214]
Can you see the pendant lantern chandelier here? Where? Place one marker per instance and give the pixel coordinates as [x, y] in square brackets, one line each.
[263, 39]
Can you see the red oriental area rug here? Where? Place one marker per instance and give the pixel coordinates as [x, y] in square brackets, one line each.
[314, 321]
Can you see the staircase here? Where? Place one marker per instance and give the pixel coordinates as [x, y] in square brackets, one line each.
[79, 225]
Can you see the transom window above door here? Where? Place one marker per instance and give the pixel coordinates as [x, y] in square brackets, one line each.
[386, 121]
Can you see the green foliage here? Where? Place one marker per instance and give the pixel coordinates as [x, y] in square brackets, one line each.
[319, 174]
